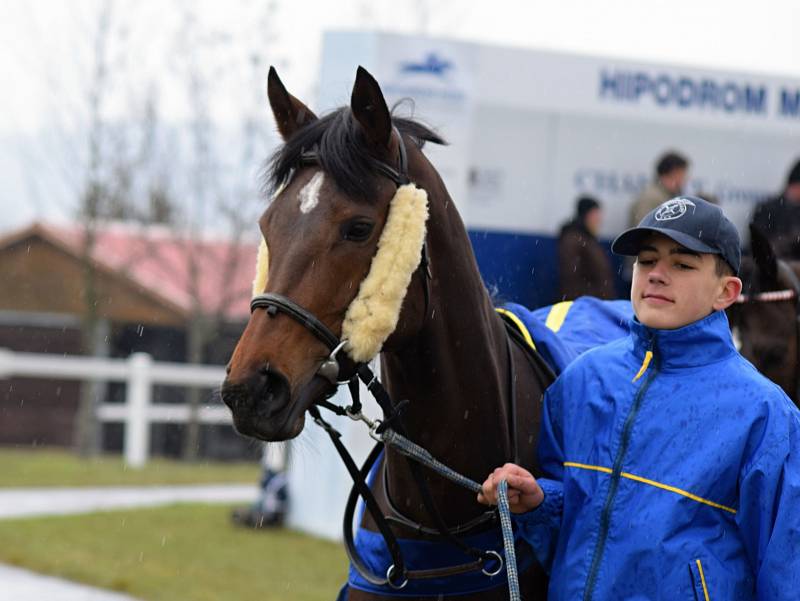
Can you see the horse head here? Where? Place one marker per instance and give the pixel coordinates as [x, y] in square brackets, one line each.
[342, 238]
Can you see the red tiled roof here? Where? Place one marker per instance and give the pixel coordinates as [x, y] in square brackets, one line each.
[163, 263]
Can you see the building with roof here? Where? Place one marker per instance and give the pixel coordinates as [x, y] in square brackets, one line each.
[150, 285]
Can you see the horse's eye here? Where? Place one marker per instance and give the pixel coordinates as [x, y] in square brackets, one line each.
[357, 230]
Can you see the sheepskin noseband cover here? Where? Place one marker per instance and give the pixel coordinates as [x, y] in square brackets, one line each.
[262, 267]
[373, 314]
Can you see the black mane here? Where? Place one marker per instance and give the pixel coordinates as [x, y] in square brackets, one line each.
[342, 152]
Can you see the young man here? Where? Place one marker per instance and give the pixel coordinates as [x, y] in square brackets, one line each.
[671, 467]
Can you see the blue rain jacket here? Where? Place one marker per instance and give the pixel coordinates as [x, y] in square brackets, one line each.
[672, 471]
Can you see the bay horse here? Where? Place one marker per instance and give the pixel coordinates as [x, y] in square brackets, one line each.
[766, 320]
[474, 395]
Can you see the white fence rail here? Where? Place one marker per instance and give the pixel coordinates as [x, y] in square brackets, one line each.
[139, 373]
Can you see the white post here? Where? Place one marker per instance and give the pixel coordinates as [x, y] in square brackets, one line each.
[6, 361]
[274, 457]
[137, 426]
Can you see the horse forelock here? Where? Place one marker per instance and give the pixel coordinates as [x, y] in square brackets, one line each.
[342, 153]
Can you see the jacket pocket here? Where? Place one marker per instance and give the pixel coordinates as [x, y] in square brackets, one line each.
[699, 581]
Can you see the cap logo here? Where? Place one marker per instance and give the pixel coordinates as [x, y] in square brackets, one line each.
[672, 209]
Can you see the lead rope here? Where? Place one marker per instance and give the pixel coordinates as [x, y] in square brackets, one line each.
[508, 541]
[413, 451]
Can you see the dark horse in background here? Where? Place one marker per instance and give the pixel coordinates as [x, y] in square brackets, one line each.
[474, 396]
[766, 320]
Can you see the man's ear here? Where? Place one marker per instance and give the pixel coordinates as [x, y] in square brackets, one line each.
[730, 290]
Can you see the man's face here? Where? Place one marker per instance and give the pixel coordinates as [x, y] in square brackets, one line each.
[675, 180]
[593, 220]
[792, 193]
[673, 286]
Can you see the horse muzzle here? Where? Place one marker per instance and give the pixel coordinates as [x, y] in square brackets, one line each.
[263, 406]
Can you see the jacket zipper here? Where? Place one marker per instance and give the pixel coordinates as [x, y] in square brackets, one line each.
[616, 474]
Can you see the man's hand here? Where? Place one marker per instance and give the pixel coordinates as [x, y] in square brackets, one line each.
[524, 493]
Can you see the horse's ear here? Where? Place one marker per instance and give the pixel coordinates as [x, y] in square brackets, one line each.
[290, 113]
[764, 256]
[370, 110]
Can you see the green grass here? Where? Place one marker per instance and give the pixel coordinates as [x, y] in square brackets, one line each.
[48, 467]
[177, 553]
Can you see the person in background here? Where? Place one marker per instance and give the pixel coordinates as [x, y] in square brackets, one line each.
[672, 170]
[779, 217]
[270, 508]
[584, 265]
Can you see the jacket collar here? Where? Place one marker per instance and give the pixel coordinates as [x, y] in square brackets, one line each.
[703, 342]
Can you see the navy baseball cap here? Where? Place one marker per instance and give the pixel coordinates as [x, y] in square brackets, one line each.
[690, 221]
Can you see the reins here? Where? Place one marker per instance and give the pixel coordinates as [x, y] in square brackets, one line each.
[389, 432]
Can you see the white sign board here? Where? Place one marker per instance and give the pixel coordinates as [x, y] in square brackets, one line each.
[528, 132]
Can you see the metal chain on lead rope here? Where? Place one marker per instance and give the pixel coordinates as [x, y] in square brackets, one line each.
[404, 446]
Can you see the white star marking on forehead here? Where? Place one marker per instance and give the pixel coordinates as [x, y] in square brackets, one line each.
[309, 195]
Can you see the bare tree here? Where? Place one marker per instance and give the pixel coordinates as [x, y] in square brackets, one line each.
[123, 160]
[222, 184]
[97, 156]
[87, 434]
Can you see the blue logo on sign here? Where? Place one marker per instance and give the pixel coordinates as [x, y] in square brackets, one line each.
[432, 65]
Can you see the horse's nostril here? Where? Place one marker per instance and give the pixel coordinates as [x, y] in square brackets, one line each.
[271, 388]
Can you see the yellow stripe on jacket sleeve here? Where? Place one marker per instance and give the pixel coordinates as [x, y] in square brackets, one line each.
[584, 466]
[635, 478]
[520, 326]
[678, 491]
[557, 315]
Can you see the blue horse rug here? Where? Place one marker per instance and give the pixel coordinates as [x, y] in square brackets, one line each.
[565, 330]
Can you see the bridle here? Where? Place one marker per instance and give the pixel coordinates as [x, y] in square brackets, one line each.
[390, 426]
[779, 296]
[274, 303]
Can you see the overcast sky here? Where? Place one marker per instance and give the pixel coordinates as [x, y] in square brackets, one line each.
[760, 37]
[46, 47]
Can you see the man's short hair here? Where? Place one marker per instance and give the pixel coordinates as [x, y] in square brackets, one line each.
[721, 267]
[671, 162]
[794, 175]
